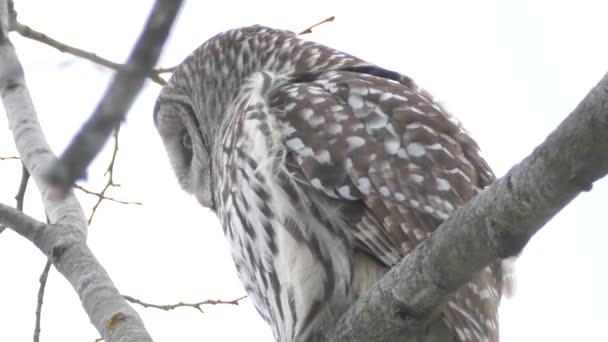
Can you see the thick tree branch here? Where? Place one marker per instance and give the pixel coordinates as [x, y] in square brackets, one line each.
[118, 98]
[64, 242]
[495, 224]
[35, 152]
[67, 249]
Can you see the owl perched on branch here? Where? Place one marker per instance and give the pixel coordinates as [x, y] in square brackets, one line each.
[324, 170]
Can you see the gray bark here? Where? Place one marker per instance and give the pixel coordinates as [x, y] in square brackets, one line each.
[495, 224]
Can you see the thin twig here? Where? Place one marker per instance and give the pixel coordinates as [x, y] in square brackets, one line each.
[110, 182]
[165, 70]
[117, 100]
[43, 278]
[28, 32]
[9, 158]
[20, 196]
[102, 196]
[308, 30]
[197, 305]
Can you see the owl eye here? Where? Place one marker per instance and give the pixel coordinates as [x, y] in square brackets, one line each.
[186, 146]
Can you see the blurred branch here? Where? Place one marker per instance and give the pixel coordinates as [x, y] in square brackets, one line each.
[64, 242]
[308, 30]
[9, 158]
[30, 33]
[165, 70]
[117, 100]
[197, 305]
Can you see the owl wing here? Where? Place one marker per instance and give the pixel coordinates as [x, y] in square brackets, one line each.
[399, 165]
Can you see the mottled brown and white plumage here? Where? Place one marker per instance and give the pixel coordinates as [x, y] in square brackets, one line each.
[324, 170]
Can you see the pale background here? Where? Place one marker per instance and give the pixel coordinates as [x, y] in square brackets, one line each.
[510, 70]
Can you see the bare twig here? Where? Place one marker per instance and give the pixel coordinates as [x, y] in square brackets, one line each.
[165, 70]
[43, 278]
[197, 305]
[20, 196]
[30, 33]
[101, 196]
[308, 30]
[117, 100]
[9, 158]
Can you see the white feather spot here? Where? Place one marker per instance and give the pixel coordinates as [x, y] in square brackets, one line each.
[442, 215]
[344, 191]
[290, 106]
[399, 196]
[419, 234]
[442, 184]
[416, 178]
[323, 157]
[348, 164]
[384, 191]
[416, 110]
[386, 96]
[339, 116]
[415, 149]
[428, 209]
[402, 154]
[316, 182]
[288, 130]
[318, 99]
[391, 146]
[364, 185]
[391, 130]
[414, 203]
[306, 113]
[295, 144]
[316, 121]
[377, 121]
[354, 142]
[356, 102]
[334, 129]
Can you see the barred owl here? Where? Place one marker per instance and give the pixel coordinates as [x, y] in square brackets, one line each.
[324, 171]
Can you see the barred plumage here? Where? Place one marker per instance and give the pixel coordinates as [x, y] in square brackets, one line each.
[325, 171]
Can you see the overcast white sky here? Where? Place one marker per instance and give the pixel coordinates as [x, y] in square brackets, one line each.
[510, 70]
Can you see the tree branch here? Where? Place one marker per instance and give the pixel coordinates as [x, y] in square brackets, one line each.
[495, 224]
[308, 30]
[44, 276]
[27, 32]
[66, 247]
[118, 98]
[65, 241]
[35, 152]
[197, 305]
